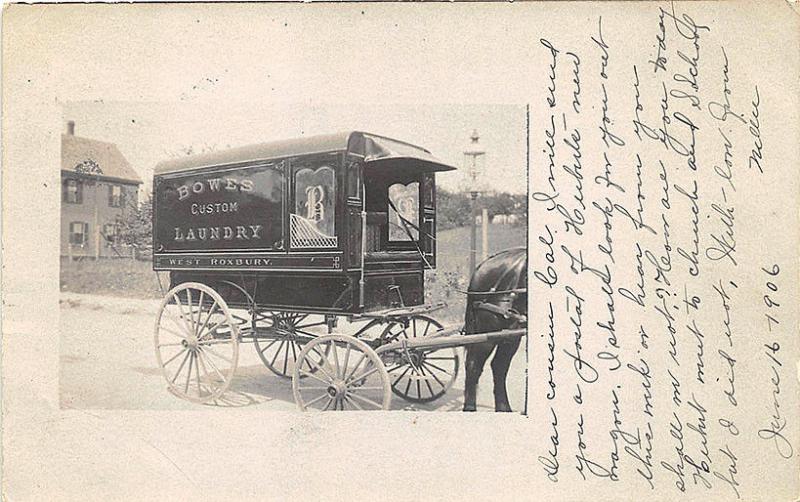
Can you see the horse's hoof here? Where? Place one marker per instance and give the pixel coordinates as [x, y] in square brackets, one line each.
[470, 408]
[503, 409]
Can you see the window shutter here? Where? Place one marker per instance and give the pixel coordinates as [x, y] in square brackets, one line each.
[79, 192]
[111, 195]
[64, 184]
[85, 233]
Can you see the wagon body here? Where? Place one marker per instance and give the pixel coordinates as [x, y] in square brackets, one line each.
[335, 224]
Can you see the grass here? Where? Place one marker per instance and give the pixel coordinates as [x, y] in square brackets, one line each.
[136, 279]
[127, 278]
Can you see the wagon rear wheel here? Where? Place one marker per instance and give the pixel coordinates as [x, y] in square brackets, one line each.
[279, 343]
[419, 375]
[341, 373]
[196, 342]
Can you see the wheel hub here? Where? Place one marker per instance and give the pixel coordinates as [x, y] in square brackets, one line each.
[337, 389]
[190, 343]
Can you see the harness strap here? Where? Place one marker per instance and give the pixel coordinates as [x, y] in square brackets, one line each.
[506, 313]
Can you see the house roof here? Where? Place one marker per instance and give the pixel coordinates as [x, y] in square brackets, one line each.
[81, 154]
[375, 149]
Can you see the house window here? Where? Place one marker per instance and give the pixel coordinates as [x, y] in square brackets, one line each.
[78, 233]
[312, 221]
[111, 233]
[115, 196]
[73, 191]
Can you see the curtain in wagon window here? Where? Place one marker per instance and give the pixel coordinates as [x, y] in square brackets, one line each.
[404, 223]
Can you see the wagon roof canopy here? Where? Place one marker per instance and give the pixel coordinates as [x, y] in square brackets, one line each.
[378, 152]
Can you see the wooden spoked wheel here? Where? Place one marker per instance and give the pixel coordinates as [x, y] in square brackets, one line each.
[279, 342]
[342, 373]
[419, 375]
[196, 342]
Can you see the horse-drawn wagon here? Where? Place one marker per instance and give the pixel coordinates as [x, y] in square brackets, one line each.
[275, 243]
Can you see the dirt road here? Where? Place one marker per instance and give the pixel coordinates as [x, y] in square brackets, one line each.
[108, 362]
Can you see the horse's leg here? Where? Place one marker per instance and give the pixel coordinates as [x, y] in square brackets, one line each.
[477, 354]
[500, 364]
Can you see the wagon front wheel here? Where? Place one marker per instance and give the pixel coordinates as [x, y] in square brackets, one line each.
[338, 372]
[419, 375]
[196, 342]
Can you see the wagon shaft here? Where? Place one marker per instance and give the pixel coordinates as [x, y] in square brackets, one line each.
[451, 337]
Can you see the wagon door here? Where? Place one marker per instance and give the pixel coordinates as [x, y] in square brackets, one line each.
[427, 236]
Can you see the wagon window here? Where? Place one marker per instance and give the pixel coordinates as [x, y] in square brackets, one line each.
[404, 212]
[78, 233]
[312, 222]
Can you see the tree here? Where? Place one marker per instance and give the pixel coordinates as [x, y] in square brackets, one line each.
[136, 228]
[453, 209]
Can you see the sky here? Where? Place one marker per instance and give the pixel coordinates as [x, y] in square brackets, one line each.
[147, 132]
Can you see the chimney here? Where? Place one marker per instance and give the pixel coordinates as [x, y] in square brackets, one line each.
[71, 127]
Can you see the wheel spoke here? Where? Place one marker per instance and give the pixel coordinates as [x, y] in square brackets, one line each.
[307, 333]
[358, 406]
[286, 357]
[180, 367]
[199, 312]
[214, 352]
[438, 368]
[273, 342]
[368, 400]
[183, 314]
[332, 346]
[208, 316]
[317, 399]
[427, 327]
[320, 368]
[277, 353]
[363, 356]
[174, 357]
[395, 367]
[434, 375]
[197, 373]
[191, 310]
[323, 358]
[176, 344]
[214, 366]
[330, 400]
[180, 325]
[189, 373]
[313, 375]
[401, 376]
[205, 370]
[363, 375]
[346, 360]
[427, 380]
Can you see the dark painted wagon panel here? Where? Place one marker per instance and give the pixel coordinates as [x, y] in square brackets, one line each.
[240, 209]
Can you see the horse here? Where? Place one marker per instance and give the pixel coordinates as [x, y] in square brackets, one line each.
[497, 299]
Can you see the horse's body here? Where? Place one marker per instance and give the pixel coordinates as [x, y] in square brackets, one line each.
[497, 299]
